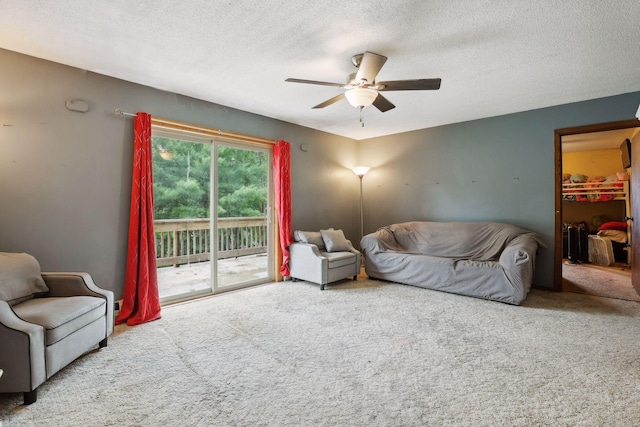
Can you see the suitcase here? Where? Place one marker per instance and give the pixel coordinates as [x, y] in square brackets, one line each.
[583, 243]
[600, 251]
[576, 245]
[573, 244]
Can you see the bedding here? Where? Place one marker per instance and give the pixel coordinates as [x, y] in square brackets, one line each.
[614, 235]
[614, 225]
[580, 188]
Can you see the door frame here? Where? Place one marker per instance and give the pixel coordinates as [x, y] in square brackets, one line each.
[558, 134]
[214, 142]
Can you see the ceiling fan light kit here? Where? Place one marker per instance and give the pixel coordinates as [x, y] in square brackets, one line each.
[361, 88]
[361, 97]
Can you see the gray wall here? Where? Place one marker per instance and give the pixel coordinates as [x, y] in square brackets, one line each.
[495, 169]
[65, 177]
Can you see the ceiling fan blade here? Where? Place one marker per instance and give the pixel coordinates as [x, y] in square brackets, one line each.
[314, 82]
[383, 104]
[330, 101]
[370, 66]
[417, 84]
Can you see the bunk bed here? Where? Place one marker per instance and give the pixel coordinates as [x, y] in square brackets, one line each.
[594, 191]
[600, 190]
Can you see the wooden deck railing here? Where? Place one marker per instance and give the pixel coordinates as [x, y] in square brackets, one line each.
[182, 241]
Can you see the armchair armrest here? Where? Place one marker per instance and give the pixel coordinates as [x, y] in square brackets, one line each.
[22, 355]
[309, 249]
[307, 263]
[68, 284]
[352, 249]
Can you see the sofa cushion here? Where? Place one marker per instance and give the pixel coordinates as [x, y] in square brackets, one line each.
[61, 316]
[20, 278]
[339, 259]
[313, 237]
[334, 240]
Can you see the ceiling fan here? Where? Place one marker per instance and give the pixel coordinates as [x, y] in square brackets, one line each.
[361, 88]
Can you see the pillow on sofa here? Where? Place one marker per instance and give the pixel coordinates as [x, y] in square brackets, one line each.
[334, 240]
[20, 278]
[313, 237]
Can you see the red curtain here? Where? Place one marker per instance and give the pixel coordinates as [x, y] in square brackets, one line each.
[141, 301]
[282, 184]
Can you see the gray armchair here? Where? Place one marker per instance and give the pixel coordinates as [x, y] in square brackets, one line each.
[47, 320]
[323, 257]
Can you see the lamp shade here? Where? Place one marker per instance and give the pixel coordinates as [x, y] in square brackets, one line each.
[361, 170]
[361, 97]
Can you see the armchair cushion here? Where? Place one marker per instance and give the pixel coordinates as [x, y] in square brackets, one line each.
[339, 259]
[20, 278]
[335, 241]
[61, 316]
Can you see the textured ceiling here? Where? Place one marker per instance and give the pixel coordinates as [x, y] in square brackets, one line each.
[595, 141]
[494, 57]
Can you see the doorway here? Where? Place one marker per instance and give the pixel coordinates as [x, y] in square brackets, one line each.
[590, 197]
[212, 205]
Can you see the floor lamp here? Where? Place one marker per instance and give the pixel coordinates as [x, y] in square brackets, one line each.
[361, 171]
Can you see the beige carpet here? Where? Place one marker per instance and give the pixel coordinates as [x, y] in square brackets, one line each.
[366, 353]
[611, 282]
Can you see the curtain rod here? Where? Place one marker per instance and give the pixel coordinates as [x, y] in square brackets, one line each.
[187, 127]
[119, 112]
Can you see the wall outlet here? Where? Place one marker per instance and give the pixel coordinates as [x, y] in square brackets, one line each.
[116, 309]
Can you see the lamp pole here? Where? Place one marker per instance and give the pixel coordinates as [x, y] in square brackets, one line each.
[361, 209]
[361, 171]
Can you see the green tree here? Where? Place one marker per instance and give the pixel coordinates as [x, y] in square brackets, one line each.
[182, 183]
[242, 182]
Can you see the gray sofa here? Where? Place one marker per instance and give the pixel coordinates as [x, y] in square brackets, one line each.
[323, 257]
[487, 260]
[47, 320]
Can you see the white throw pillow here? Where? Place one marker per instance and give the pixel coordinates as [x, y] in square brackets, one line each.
[335, 241]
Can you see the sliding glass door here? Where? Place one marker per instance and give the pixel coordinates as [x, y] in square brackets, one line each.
[199, 252]
[242, 221]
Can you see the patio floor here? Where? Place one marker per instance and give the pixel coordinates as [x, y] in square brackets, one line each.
[174, 281]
